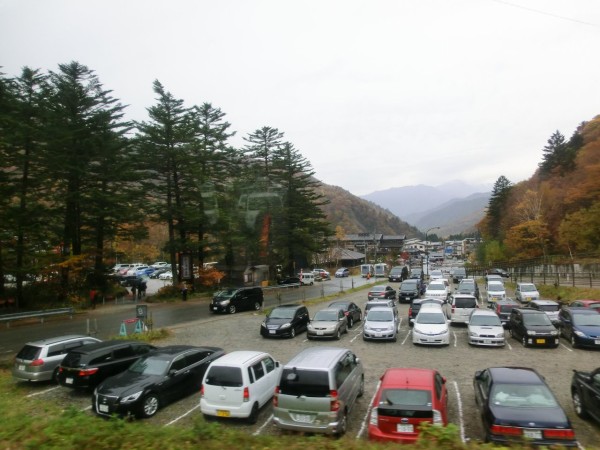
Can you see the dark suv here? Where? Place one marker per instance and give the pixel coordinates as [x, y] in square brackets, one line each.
[503, 308]
[409, 290]
[231, 300]
[285, 321]
[533, 328]
[90, 364]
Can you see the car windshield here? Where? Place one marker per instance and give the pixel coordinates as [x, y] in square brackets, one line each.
[282, 313]
[341, 305]
[522, 395]
[436, 287]
[528, 288]
[586, 320]
[226, 293]
[495, 287]
[431, 318]
[150, 366]
[485, 320]
[536, 319]
[326, 315]
[380, 316]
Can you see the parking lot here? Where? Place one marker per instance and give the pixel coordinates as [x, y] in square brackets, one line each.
[457, 362]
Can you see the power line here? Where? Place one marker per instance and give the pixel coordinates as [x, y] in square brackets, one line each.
[557, 16]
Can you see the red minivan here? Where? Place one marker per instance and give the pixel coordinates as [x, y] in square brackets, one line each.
[405, 398]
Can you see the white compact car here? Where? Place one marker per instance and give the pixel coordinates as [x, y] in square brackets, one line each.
[431, 326]
[485, 328]
[437, 289]
[495, 291]
[526, 292]
[239, 384]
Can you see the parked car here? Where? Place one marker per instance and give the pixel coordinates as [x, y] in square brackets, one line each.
[458, 274]
[437, 289]
[160, 264]
[285, 321]
[342, 272]
[550, 307]
[581, 326]
[168, 275]
[156, 379]
[436, 274]
[532, 328]
[397, 273]
[492, 277]
[585, 304]
[430, 327]
[585, 392]
[416, 304]
[526, 292]
[485, 328]
[503, 309]
[417, 272]
[461, 307]
[381, 303]
[495, 291]
[154, 275]
[351, 310]
[380, 291]
[87, 366]
[231, 300]
[498, 271]
[516, 405]
[39, 360]
[468, 286]
[381, 324]
[316, 390]
[322, 274]
[307, 278]
[406, 398]
[409, 290]
[327, 323]
[239, 384]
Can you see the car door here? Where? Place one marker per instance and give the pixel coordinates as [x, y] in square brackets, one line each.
[301, 319]
[441, 394]
[566, 323]
[177, 381]
[516, 324]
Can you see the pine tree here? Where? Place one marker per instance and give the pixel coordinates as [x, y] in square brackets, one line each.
[496, 206]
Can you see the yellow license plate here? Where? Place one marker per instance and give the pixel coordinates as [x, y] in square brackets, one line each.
[222, 413]
[540, 341]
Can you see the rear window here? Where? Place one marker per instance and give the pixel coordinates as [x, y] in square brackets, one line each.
[225, 376]
[465, 302]
[549, 308]
[507, 308]
[405, 403]
[73, 359]
[29, 352]
[311, 383]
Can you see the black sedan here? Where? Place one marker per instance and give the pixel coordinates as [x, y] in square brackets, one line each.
[351, 310]
[160, 377]
[381, 291]
[285, 321]
[517, 405]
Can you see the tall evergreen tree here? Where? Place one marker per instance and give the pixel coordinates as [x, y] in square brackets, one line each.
[496, 205]
[261, 145]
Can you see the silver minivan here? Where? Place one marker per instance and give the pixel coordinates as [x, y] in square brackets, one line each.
[317, 390]
[39, 360]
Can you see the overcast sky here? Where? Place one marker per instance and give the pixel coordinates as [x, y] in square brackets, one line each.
[375, 93]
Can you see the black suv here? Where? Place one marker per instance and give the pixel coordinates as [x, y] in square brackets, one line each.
[90, 364]
[409, 290]
[533, 328]
[285, 321]
[231, 300]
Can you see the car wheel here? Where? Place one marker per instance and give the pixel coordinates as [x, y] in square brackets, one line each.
[231, 309]
[293, 333]
[359, 318]
[256, 306]
[338, 335]
[150, 405]
[524, 341]
[578, 405]
[253, 417]
[350, 322]
[361, 388]
[573, 341]
[55, 376]
[343, 424]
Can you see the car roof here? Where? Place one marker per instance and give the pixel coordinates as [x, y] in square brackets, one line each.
[238, 357]
[582, 310]
[525, 284]
[420, 301]
[432, 306]
[544, 302]
[90, 348]
[382, 308]
[494, 282]
[530, 311]
[464, 296]
[408, 377]
[176, 349]
[288, 306]
[507, 301]
[483, 312]
[316, 357]
[517, 375]
[57, 339]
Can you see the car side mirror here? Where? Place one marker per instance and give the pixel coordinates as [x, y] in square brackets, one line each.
[277, 364]
[172, 372]
[478, 374]
[412, 320]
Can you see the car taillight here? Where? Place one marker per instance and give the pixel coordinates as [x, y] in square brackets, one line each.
[437, 417]
[335, 403]
[246, 394]
[374, 418]
[87, 372]
[508, 431]
[410, 312]
[37, 362]
[202, 390]
[453, 308]
[559, 434]
[276, 397]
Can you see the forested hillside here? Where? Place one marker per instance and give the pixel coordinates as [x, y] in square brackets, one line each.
[355, 215]
[557, 210]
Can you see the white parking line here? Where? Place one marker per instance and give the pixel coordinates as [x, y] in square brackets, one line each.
[563, 345]
[363, 425]
[267, 422]
[507, 343]
[86, 408]
[41, 392]
[183, 415]
[581, 447]
[409, 333]
[455, 340]
[460, 412]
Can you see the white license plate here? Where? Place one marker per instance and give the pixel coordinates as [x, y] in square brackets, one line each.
[214, 308]
[69, 380]
[103, 408]
[271, 331]
[405, 428]
[532, 434]
[597, 342]
[319, 333]
[21, 367]
[487, 341]
[304, 418]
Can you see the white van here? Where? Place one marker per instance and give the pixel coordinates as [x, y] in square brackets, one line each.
[307, 278]
[239, 384]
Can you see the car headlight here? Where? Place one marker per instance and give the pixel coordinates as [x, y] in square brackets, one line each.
[132, 397]
[554, 333]
[285, 325]
[531, 333]
[579, 333]
[225, 302]
[473, 334]
[500, 335]
[264, 325]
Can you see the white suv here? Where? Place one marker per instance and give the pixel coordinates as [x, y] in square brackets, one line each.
[495, 291]
[239, 384]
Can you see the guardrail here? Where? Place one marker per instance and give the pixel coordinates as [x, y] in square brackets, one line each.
[8, 318]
